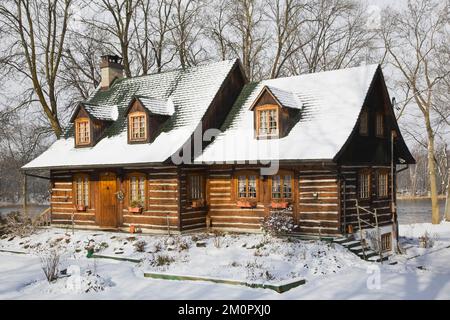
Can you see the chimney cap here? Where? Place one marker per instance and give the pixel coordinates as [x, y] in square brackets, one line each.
[109, 59]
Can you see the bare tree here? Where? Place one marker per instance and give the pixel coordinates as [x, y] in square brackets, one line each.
[160, 28]
[285, 16]
[186, 32]
[34, 34]
[335, 35]
[117, 22]
[247, 36]
[413, 39]
[217, 27]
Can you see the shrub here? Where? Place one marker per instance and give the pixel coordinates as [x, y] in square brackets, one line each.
[50, 263]
[426, 241]
[17, 224]
[163, 260]
[279, 222]
[139, 246]
[217, 238]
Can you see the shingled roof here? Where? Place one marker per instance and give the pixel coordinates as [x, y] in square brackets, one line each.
[189, 92]
[331, 103]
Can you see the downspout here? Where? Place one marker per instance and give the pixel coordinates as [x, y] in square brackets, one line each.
[344, 206]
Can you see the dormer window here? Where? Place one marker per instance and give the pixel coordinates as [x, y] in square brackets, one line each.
[137, 126]
[275, 112]
[82, 131]
[267, 121]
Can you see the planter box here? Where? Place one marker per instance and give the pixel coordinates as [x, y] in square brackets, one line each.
[197, 203]
[135, 209]
[279, 205]
[80, 207]
[246, 204]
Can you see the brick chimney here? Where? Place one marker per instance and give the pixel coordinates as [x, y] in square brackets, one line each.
[111, 68]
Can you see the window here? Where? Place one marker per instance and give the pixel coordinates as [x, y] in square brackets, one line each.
[81, 183]
[82, 131]
[364, 185]
[379, 125]
[364, 123]
[282, 187]
[137, 189]
[195, 187]
[386, 242]
[246, 187]
[137, 126]
[383, 186]
[267, 122]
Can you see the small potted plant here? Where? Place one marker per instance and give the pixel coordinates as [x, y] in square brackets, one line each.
[279, 204]
[197, 203]
[246, 204]
[81, 207]
[135, 206]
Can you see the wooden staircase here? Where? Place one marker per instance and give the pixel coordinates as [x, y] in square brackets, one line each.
[360, 249]
[43, 219]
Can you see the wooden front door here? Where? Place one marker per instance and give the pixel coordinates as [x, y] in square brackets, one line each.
[108, 204]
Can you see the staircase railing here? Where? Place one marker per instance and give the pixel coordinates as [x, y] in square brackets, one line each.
[368, 223]
[44, 218]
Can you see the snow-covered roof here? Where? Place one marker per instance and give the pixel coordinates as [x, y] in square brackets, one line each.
[102, 112]
[158, 106]
[189, 92]
[332, 101]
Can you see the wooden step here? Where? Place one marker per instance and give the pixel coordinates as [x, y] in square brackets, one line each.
[351, 244]
[377, 258]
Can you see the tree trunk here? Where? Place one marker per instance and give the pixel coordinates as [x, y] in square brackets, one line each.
[435, 218]
[447, 200]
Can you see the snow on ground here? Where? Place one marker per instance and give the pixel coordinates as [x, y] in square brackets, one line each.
[330, 270]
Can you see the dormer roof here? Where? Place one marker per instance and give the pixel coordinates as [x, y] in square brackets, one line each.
[98, 112]
[285, 98]
[162, 107]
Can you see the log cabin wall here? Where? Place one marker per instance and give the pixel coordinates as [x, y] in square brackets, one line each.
[319, 206]
[223, 211]
[314, 204]
[349, 195]
[161, 209]
[63, 201]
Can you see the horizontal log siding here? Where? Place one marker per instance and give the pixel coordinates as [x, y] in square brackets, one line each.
[62, 202]
[318, 215]
[223, 212]
[383, 205]
[161, 211]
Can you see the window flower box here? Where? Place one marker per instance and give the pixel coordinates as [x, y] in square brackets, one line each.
[246, 204]
[81, 207]
[198, 203]
[279, 205]
[135, 209]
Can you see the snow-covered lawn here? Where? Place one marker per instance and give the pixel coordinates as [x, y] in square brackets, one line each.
[331, 271]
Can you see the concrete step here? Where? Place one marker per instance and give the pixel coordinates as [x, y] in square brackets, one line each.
[368, 254]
